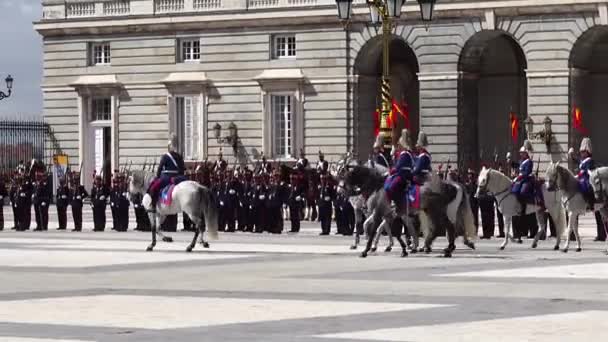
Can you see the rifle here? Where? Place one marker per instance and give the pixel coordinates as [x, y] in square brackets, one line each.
[495, 158]
[537, 167]
[145, 164]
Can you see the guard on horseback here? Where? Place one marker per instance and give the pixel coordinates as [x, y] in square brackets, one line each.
[379, 155]
[585, 166]
[399, 181]
[170, 170]
[523, 184]
[422, 165]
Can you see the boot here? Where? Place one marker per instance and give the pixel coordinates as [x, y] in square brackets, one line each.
[522, 211]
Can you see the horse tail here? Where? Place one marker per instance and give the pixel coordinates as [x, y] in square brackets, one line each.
[210, 210]
[468, 221]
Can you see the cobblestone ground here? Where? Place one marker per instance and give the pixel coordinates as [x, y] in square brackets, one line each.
[64, 286]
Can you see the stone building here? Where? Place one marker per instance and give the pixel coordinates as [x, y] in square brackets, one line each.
[120, 75]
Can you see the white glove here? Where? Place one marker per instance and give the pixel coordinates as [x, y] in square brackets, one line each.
[232, 192]
[43, 204]
[1, 197]
[222, 203]
[64, 196]
[78, 197]
[102, 198]
[298, 198]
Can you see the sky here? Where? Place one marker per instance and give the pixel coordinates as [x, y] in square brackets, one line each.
[21, 57]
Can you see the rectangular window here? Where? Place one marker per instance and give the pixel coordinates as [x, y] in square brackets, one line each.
[282, 115]
[284, 46]
[101, 109]
[190, 50]
[188, 126]
[100, 54]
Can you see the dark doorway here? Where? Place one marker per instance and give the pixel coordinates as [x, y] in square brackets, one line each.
[588, 84]
[107, 155]
[492, 85]
[404, 88]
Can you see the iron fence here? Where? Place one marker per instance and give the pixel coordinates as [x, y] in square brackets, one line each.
[22, 141]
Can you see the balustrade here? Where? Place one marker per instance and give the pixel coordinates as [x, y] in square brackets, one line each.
[120, 7]
[81, 9]
[169, 6]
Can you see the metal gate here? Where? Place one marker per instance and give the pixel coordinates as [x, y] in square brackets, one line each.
[22, 141]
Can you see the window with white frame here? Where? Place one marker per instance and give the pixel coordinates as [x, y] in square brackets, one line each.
[282, 125]
[284, 46]
[101, 109]
[188, 127]
[190, 50]
[100, 54]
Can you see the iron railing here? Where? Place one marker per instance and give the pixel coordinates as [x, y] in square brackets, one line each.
[22, 141]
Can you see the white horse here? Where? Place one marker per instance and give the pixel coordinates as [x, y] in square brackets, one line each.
[499, 186]
[599, 182]
[188, 197]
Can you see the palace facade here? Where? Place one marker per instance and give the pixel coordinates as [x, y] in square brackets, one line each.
[120, 75]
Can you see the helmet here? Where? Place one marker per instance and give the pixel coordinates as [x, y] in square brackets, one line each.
[586, 145]
[526, 147]
[422, 140]
[405, 139]
[321, 155]
[173, 142]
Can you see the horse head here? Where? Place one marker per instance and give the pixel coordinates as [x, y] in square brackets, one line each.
[482, 182]
[598, 179]
[551, 176]
[137, 182]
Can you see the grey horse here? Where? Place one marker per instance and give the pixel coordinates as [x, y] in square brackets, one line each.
[188, 197]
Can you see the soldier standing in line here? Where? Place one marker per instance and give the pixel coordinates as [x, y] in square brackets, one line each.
[327, 195]
[296, 198]
[13, 194]
[62, 202]
[244, 200]
[114, 200]
[231, 199]
[143, 221]
[41, 198]
[274, 206]
[123, 205]
[3, 195]
[259, 204]
[99, 202]
[322, 164]
[24, 203]
[77, 194]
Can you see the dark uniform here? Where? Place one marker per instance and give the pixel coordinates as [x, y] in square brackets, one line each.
[41, 199]
[296, 201]
[273, 206]
[244, 209]
[326, 198]
[141, 217]
[3, 195]
[231, 200]
[259, 213]
[24, 204]
[99, 202]
[77, 194]
[122, 206]
[62, 202]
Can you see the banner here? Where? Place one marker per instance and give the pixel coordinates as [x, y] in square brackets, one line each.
[514, 127]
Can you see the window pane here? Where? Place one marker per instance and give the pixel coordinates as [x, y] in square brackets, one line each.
[101, 109]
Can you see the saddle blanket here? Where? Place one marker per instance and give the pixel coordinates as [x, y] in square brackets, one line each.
[166, 195]
[413, 196]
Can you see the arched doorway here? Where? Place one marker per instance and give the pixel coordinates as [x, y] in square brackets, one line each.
[404, 88]
[588, 84]
[492, 85]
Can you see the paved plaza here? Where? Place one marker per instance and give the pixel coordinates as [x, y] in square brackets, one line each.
[65, 286]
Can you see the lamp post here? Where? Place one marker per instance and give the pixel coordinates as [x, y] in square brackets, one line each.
[9, 86]
[385, 11]
[545, 135]
[232, 139]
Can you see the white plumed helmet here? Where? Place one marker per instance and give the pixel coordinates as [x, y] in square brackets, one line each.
[586, 145]
[173, 142]
[379, 140]
[405, 139]
[422, 140]
[526, 147]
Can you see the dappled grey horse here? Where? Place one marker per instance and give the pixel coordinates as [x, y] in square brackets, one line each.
[188, 197]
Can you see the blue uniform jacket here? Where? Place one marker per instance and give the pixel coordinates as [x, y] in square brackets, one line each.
[423, 165]
[525, 168]
[382, 160]
[584, 167]
[404, 165]
[171, 165]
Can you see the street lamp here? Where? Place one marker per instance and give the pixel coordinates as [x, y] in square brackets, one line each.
[232, 138]
[9, 86]
[545, 135]
[385, 11]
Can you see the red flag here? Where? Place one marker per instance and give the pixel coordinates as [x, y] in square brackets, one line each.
[577, 120]
[514, 127]
[377, 122]
[402, 110]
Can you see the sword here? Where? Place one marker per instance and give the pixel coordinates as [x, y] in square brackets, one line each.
[145, 164]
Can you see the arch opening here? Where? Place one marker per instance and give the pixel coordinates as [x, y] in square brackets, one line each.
[492, 85]
[587, 89]
[404, 88]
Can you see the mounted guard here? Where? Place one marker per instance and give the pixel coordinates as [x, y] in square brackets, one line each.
[401, 176]
[379, 155]
[523, 184]
[170, 170]
[586, 165]
[422, 165]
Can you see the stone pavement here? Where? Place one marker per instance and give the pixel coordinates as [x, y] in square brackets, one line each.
[64, 286]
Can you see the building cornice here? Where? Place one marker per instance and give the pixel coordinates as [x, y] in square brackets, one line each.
[233, 16]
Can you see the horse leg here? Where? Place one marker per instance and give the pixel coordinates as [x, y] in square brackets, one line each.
[573, 217]
[153, 230]
[540, 218]
[379, 231]
[411, 227]
[403, 245]
[371, 230]
[579, 246]
[508, 220]
[165, 238]
[389, 232]
[451, 230]
[198, 231]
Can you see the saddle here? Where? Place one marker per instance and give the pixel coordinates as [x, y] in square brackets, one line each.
[166, 195]
[413, 196]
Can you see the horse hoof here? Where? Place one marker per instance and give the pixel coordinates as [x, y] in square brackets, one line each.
[167, 239]
[502, 248]
[519, 241]
[428, 250]
[149, 249]
[565, 250]
[447, 254]
[353, 247]
[189, 249]
[205, 244]
[388, 249]
[534, 245]
[414, 251]
[363, 255]
[471, 245]
[556, 248]
[579, 249]
[403, 254]
[421, 249]
[374, 250]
